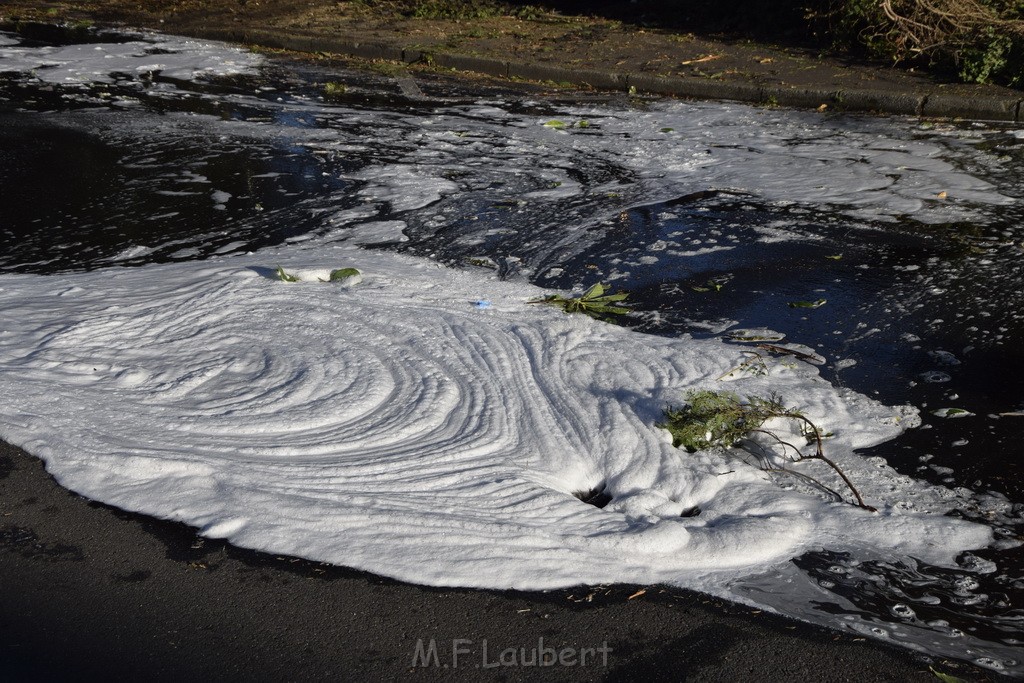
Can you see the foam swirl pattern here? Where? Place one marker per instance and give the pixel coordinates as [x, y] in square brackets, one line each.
[395, 427]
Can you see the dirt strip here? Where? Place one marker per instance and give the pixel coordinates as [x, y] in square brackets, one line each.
[576, 51]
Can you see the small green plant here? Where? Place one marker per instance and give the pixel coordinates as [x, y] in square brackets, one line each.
[286, 277]
[334, 89]
[720, 419]
[594, 302]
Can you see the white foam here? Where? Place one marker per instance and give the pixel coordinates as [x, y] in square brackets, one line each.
[404, 188]
[377, 231]
[395, 427]
[135, 252]
[172, 57]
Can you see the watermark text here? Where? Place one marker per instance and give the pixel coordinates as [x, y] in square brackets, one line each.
[465, 653]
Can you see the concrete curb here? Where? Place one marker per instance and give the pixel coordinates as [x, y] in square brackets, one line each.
[935, 104]
[990, 109]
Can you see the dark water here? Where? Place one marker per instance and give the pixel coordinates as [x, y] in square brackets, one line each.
[928, 314]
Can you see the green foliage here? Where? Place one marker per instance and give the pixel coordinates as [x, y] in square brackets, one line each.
[982, 41]
[594, 302]
[462, 10]
[709, 418]
[808, 304]
[342, 274]
[986, 60]
[720, 419]
[286, 277]
[334, 89]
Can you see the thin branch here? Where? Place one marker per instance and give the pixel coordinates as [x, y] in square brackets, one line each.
[715, 418]
[812, 480]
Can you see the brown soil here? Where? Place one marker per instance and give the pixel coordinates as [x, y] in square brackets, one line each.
[570, 43]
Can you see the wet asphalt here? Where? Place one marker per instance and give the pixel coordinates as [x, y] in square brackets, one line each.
[89, 592]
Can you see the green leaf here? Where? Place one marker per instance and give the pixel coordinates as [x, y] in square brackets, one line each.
[668, 130]
[583, 123]
[952, 412]
[594, 302]
[946, 678]
[835, 257]
[285, 277]
[807, 304]
[555, 123]
[343, 274]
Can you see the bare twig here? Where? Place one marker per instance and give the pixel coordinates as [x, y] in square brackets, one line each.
[932, 27]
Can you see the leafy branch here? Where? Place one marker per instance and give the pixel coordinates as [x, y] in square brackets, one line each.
[594, 302]
[719, 419]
